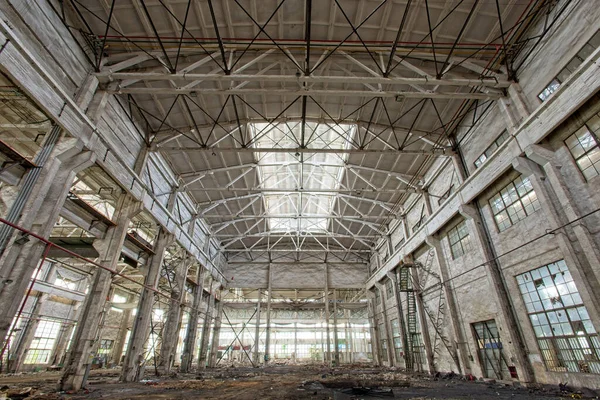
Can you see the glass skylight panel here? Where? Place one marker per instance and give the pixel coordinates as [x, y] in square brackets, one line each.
[288, 173]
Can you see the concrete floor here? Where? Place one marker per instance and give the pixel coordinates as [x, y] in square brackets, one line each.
[283, 382]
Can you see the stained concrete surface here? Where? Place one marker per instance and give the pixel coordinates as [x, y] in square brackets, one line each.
[283, 382]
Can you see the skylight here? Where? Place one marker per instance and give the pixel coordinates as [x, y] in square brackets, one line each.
[300, 188]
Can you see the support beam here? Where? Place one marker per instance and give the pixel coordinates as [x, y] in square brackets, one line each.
[132, 370]
[93, 311]
[189, 343]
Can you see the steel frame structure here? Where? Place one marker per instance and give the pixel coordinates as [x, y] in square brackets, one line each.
[197, 95]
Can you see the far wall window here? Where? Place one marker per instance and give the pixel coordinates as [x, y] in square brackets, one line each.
[43, 342]
[514, 202]
[459, 240]
[565, 334]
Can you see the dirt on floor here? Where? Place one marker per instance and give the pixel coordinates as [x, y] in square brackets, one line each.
[282, 382]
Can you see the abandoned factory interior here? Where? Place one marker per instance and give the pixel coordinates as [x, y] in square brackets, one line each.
[290, 199]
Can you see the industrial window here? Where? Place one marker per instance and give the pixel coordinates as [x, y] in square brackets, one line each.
[43, 342]
[459, 240]
[491, 148]
[396, 338]
[583, 146]
[399, 244]
[564, 331]
[514, 202]
[571, 66]
[389, 289]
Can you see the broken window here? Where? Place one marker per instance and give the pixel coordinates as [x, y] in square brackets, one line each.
[583, 146]
[514, 202]
[565, 334]
[458, 237]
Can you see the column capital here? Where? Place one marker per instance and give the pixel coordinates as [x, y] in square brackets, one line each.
[432, 241]
[540, 155]
[468, 211]
[527, 167]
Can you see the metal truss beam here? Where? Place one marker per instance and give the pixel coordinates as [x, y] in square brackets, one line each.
[214, 149]
[110, 76]
[308, 92]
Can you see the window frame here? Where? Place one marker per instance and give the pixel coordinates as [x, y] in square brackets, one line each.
[586, 153]
[517, 209]
[461, 232]
[559, 319]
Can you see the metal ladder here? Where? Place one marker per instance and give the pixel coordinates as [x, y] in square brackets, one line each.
[405, 285]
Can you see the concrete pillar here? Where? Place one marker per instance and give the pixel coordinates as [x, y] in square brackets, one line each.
[119, 345]
[295, 358]
[210, 302]
[427, 202]
[327, 317]
[214, 346]
[132, 370]
[86, 337]
[582, 260]
[172, 326]
[20, 259]
[59, 354]
[386, 325]
[268, 329]
[506, 313]
[429, 356]
[459, 168]
[189, 343]
[514, 106]
[375, 338]
[460, 343]
[255, 356]
[336, 346]
[401, 321]
[347, 336]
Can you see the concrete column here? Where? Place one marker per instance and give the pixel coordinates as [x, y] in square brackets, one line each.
[119, 345]
[386, 325]
[375, 338]
[336, 345]
[189, 343]
[348, 337]
[268, 329]
[132, 370]
[214, 346]
[506, 313]
[86, 337]
[66, 330]
[459, 168]
[170, 332]
[401, 321]
[327, 317]
[429, 356]
[20, 259]
[460, 343]
[255, 356]
[295, 341]
[582, 260]
[210, 302]
[427, 202]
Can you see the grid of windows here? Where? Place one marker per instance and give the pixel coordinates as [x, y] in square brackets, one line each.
[459, 240]
[491, 149]
[572, 65]
[514, 202]
[42, 343]
[566, 336]
[65, 283]
[583, 146]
